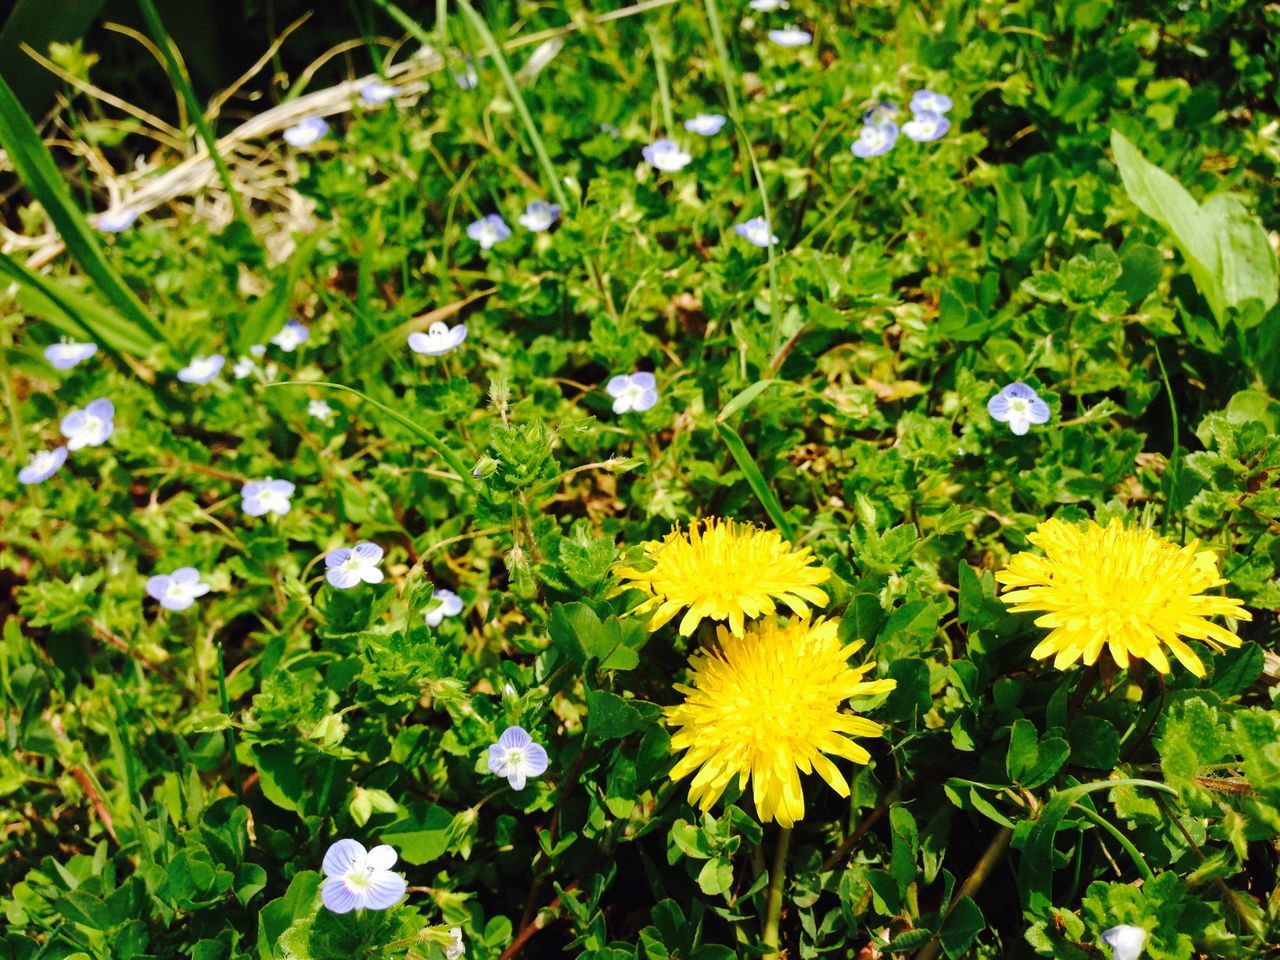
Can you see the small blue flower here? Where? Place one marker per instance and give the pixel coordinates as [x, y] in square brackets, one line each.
[516, 757]
[489, 231]
[927, 100]
[177, 590]
[875, 139]
[444, 603]
[705, 124]
[116, 219]
[880, 112]
[89, 427]
[320, 410]
[376, 93]
[539, 215]
[926, 126]
[291, 337]
[665, 155]
[633, 391]
[306, 132]
[356, 879]
[468, 79]
[202, 369]
[1126, 941]
[244, 367]
[1019, 406]
[791, 37]
[258, 497]
[348, 566]
[756, 230]
[68, 353]
[439, 339]
[43, 465]
[766, 6]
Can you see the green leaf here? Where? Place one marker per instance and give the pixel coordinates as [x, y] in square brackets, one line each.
[1035, 871]
[961, 928]
[578, 632]
[755, 479]
[40, 175]
[1225, 246]
[611, 717]
[421, 834]
[743, 399]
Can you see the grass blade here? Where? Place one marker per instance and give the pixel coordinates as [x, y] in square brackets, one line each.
[71, 312]
[39, 173]
[755, 479]
[513, 90]
[182, 83]
[426, 436]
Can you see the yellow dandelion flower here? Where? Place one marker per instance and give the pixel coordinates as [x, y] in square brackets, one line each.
[765, 707]
[724, 571]
[1120, 588]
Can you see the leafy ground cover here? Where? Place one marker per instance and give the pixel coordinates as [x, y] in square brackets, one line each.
[722, 480]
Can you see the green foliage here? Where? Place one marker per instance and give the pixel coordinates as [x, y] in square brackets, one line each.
[1098, 224]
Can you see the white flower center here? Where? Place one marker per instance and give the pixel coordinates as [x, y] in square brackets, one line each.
[273, 500]
[91, 427]
[1019, 407]
[515, 757]
[634, 392]
[360, 877]
[875, 138]
[41, 461]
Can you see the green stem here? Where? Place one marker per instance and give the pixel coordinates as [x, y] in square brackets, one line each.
[1174, 462]
[231, 729]
[179, 79]
[664, 85]
[531, 128]
[777, 877]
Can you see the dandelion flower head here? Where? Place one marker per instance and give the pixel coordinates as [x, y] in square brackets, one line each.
[1119, 588]
[723, 570]
[766, 707]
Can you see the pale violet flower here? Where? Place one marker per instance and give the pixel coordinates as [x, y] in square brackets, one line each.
[539, 215]
[756, 230]
[926, 126]
[767, 6]
[43, 465]
[89, 427]
[177, 590]
[291, 336]
[705, 124]
[259, 349]
[468, 79]
[307, 131]
[244, 368]
[880, 111]
[516, 757]
[790, 37]
[375, 93]
[489, 230]
[666, 155]
[1126, 942]
[1019, 406]
[116, 219]
[356, 879]
[320, 410]
[258, 497]
[439, 339]
[923, 100]
[875, 139]
[445, 603]
[68, 353]
[455, 949]
[348, 566]
[633, 391]
[202, 369]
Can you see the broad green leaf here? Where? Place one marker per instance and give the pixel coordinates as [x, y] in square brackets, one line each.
[40, 175]
[1225, 246]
